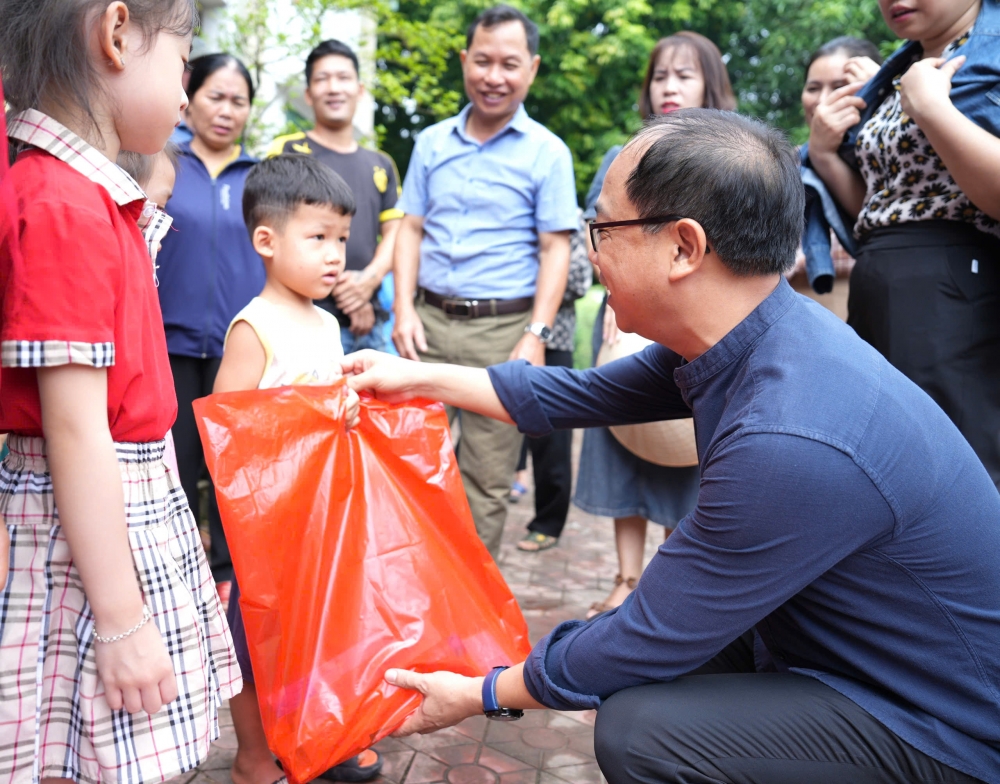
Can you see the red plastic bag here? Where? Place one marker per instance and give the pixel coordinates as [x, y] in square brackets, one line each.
[355, 553]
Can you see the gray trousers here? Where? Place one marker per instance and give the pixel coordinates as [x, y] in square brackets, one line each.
[726, 724]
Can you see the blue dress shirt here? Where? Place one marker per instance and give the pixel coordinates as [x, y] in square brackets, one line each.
[484, 204]
[841, 515]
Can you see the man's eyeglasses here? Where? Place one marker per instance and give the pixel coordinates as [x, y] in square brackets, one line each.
[597, 228]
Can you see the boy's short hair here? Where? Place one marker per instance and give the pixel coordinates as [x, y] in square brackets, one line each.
[277, 186]
[140, 167]
[331, 46]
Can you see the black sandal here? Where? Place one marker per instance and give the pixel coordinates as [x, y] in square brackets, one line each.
[353, 770]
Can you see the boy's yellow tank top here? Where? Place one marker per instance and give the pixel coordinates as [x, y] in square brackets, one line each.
[294, 353]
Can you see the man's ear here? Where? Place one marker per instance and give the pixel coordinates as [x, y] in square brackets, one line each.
[535, 62]
[692, 245]
[264, 238]
[463, 56]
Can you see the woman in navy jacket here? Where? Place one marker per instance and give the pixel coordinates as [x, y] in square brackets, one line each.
[208, 270]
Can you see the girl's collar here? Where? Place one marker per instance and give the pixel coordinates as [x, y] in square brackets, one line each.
[39, 130]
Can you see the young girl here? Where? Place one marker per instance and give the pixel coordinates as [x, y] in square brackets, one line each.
[114, 650]
[298, 213]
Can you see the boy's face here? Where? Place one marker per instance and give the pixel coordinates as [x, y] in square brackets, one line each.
[161, 181]
[308, 254]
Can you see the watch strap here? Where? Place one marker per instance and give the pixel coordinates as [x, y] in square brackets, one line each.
[490, 690]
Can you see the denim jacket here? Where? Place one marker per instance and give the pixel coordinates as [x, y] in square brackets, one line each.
[975, 89]
[823, 215]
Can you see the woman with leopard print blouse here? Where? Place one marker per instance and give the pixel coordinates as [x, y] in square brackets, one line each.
[920, 168]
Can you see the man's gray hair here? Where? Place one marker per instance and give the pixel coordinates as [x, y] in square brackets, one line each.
[736, 176]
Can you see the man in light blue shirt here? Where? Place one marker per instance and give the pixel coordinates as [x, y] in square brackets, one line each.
[482, 255]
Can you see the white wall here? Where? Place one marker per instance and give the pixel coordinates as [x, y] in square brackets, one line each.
[283, 80]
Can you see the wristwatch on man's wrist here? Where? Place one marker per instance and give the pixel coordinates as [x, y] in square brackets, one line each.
[490, 706]
[540, 330]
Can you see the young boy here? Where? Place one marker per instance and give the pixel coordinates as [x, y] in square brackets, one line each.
[298, 213]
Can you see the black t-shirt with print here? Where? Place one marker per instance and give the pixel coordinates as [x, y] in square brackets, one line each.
[372, 179]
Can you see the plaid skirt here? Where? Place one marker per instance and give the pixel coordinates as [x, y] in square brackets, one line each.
[54, 719]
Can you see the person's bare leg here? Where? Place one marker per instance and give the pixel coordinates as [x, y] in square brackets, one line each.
[254, 763]
[666, 533]
[630, 540]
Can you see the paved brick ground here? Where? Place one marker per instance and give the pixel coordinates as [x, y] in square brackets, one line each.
[546, 747]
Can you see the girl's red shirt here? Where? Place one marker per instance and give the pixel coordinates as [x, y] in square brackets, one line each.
[82, 292]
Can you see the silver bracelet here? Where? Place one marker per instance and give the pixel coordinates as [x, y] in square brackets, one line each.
[146, 615]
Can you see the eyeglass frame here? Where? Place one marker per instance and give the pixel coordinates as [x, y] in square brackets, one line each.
[593, 226]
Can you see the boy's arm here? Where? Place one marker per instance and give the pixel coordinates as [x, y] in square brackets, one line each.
[243, 360]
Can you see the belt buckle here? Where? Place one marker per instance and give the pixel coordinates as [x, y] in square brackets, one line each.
[451, 308]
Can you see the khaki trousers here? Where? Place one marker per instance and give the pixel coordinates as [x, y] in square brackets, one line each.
[488, 450]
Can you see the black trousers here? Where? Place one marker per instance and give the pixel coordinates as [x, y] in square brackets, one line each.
[552, 465]
[726, 724]
[927, 296]
[193, 378]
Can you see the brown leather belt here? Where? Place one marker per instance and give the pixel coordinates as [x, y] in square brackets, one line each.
[476, 308]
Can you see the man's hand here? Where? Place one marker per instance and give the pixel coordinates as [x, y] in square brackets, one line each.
[448, 699]
[834, 116]
[353, 408]
[408, 334]
[363, 319]
[925, 87]
[388, 378]
[529, 347]
[354, 290]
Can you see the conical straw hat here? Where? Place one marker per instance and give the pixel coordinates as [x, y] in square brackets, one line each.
[667, 443]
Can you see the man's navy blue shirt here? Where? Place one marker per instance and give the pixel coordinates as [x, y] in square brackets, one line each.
[841, 515]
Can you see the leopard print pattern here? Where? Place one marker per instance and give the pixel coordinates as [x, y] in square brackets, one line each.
[905, 178]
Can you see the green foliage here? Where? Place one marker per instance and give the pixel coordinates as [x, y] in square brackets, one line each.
[771, 46]
[594, 56]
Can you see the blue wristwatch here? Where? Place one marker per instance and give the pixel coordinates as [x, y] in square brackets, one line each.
[490, 706]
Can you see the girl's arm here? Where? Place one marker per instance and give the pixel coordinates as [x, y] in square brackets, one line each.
[86, 481]
[970, 153]
[834, 116]
[243, 360]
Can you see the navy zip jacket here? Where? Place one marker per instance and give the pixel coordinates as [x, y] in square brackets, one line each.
[208, 269]
[841, 515]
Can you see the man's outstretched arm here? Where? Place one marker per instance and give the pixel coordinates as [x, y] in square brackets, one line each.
[395, 380]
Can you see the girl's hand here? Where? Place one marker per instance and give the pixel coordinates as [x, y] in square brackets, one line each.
[840, 111]
[137, 672]
[611, 333]
[353, 408]
[925, 87]
[860, 69]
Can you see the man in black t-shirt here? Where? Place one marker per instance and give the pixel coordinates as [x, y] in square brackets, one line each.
[332, 89]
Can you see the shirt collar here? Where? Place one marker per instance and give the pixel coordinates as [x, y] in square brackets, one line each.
[40, 130]
[739, 338]
[518, 122]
